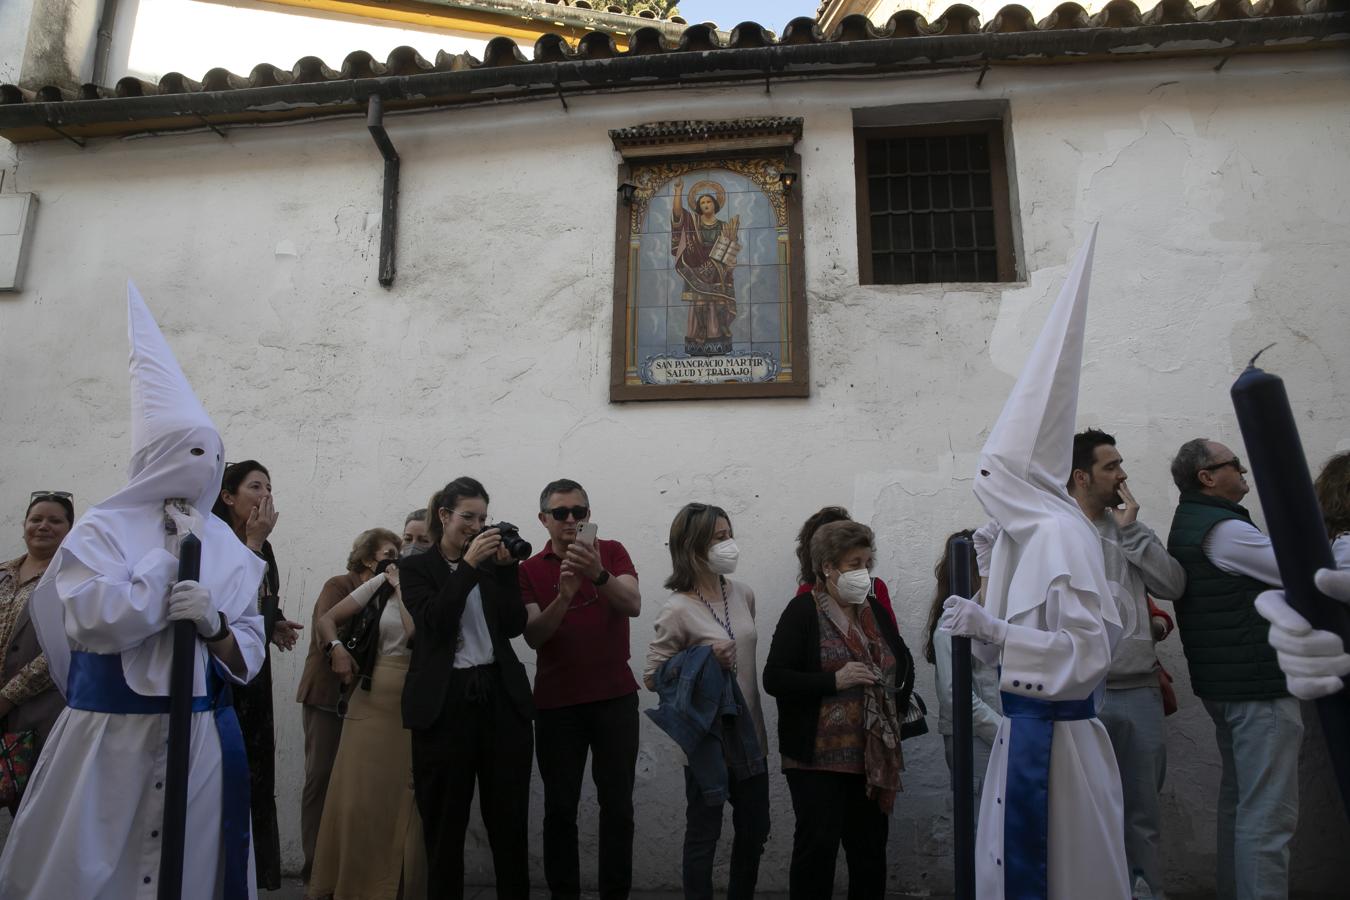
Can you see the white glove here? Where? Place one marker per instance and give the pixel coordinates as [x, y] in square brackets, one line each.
[984, 539]
[180, 520]
[190, 602]
[1313, 661]
[966, 618]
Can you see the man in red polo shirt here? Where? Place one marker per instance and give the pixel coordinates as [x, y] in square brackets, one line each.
[579, 599]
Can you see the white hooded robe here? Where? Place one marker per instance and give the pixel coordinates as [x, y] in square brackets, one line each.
[1047, 580]
[89, 826]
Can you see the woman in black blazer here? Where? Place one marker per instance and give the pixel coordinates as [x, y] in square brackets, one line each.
[833, 668]
[467, 699]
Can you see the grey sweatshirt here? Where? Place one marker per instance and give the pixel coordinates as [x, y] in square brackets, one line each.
[1137, 564]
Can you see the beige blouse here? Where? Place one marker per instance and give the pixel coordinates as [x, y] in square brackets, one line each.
[684, 622]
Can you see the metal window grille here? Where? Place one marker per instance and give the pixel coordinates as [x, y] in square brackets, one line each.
[934, 205]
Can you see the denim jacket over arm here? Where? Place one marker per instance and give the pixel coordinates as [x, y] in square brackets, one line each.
[703, 711]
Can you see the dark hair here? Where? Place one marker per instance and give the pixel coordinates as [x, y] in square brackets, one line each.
[806, 574]
[1085, 444]
[717, 207]
[1186, 465]
[63, 502]
[942, 572]
[1333, 494]
[417, 515]
[234, 476]
[448, 498]
[833, 539]
[561, 486]
[365, 545]
[691, 534]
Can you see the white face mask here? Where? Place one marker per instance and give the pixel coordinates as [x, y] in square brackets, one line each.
[853, 587]
[722, 557]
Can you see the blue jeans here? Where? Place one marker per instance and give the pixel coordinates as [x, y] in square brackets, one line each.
[1134, 719]
[1258, 796]
[703, 826]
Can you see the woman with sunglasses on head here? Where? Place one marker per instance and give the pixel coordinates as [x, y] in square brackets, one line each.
[466, 699]
[320, 689]
[707, 608]
[29, 701]
[370, 842]
[832, 666]
[245, 504]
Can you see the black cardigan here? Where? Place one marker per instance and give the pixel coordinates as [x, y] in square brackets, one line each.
[792, 674]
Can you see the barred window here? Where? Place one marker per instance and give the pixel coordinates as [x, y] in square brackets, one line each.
[933, 204]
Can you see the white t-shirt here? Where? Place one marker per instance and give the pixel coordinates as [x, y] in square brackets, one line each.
[475, 641]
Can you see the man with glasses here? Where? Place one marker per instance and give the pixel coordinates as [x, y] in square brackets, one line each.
[1234, 670]
[579, 597]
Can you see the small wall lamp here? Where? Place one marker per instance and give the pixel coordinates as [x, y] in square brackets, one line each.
[627, 190]
[788, 179]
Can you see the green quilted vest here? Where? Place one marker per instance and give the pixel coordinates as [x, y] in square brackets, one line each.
[1224, 637]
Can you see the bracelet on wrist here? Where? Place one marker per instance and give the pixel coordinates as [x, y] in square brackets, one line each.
[223, 632]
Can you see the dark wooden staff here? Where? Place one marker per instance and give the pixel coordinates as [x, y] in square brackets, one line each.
[180, 734]
[960, 552]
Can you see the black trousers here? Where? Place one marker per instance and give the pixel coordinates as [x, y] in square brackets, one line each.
[480, 737]
[833, 808]
[608, 730]
[749, 799]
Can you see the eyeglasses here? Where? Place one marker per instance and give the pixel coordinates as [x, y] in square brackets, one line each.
[50, 495]
[1234, 462]
[560, 513]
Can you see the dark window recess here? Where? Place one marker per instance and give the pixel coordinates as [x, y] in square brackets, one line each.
[933, 204]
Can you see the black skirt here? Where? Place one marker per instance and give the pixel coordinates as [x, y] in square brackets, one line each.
[253, 705]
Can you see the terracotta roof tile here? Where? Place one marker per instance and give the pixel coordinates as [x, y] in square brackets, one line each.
[958, 34]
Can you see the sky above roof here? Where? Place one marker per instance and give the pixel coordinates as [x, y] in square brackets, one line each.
[772, 14]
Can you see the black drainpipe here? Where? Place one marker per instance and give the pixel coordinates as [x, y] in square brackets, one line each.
[103, 44]
[389, 214]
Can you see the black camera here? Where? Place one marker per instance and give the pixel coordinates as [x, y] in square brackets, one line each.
[517, 546]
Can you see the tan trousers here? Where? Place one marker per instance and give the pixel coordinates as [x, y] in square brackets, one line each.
[323, 731]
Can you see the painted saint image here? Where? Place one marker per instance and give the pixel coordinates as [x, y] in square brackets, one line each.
[705, 249]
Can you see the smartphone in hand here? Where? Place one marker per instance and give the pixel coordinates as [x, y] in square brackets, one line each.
[586, 533]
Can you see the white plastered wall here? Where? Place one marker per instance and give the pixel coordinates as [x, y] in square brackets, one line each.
[1221, 198]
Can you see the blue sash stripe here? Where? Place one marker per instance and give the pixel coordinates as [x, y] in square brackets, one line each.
[97, 683]
[1026, 817]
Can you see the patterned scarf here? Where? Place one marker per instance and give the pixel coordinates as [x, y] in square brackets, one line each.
[883, 759]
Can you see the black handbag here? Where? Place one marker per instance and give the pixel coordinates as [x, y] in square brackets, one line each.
[908, 704]
[361, 634]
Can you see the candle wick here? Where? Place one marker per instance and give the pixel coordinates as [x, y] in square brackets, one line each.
[1252, 363]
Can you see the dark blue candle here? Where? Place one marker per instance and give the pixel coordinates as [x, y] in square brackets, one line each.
[1293, 517]
[1294, 522]
[960, 554]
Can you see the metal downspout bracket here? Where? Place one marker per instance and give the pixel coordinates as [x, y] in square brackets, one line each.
[389, 212]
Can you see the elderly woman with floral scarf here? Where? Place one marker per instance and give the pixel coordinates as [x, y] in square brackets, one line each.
[832, 666]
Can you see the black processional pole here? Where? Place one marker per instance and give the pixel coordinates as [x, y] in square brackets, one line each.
[180, 734]
[1297, 532]
[960, 553]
